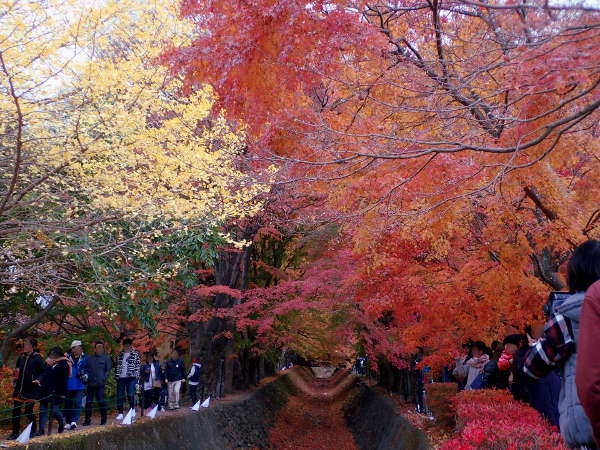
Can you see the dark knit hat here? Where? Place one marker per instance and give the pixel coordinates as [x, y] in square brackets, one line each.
[515, 339]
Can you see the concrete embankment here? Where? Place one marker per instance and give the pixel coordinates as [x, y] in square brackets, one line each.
[375, 424]
[295, 410]
[243, 424]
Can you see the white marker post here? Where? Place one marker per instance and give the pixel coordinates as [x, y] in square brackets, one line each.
[24, 436]
[128, 418]
[152, 413]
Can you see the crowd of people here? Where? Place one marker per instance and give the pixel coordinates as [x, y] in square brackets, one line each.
[63, 380]
[502, 366]
[555, 367]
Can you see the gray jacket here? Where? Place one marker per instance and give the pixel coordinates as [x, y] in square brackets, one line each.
[575, 427]
[98, 369]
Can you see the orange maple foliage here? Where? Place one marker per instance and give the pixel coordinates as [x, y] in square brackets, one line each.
[456, 144]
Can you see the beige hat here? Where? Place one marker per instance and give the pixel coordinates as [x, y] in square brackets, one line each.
[76, 344]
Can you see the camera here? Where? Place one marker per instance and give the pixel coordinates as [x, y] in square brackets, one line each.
[555, 299]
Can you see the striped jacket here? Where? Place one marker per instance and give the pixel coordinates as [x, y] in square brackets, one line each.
[557, 345]
[133, 364]
[558, 348]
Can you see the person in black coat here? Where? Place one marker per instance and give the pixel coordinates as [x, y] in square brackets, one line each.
[544, 393]
[520, 381]
[493, 377]
[53, 388]
[30, 367]
[174, 376]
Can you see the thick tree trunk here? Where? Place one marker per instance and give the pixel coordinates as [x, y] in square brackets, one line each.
[210, 341]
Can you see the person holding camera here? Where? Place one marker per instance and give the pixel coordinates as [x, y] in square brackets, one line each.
[99, 367]
[558, 345]
[75, 385]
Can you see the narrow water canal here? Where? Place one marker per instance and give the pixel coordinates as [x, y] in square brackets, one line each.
[314, 419]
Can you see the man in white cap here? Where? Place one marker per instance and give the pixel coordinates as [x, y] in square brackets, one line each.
[75, 385]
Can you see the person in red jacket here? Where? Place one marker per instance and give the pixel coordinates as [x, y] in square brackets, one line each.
[588, 358]
[511, 346]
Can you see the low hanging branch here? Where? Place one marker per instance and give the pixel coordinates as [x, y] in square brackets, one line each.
[592, 222]
[20, 331]
[533, 194]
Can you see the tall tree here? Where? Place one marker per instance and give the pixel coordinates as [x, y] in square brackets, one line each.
[456, 142]
[102, 153]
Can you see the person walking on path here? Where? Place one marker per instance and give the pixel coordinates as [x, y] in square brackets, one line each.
[164, 390]
[54, 388]
[174, 375]
[75, 385]
[588, 357]
[557, 348]
[127, 374]
[151, 379]
[99, 367]
[29, 368]
[195, 379]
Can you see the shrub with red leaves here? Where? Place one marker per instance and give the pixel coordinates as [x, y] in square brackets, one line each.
[490, 419]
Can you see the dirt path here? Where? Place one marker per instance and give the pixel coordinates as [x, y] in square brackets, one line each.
[313, 419]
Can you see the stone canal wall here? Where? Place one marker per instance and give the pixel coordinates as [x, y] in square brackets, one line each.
[243, 424]
[247, 423]
[375, 424]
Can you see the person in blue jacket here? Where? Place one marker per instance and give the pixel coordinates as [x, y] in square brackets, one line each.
[75, 385]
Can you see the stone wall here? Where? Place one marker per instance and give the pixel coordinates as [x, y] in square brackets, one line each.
[375, 424]
[244, 424]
